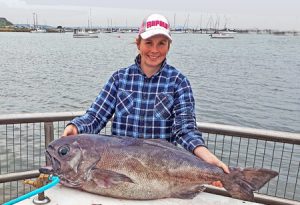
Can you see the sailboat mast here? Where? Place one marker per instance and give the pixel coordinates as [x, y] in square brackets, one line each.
[34, 23]
[174, 23]
[91, 25]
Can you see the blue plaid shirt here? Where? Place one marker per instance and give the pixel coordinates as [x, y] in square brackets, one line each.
[161, 106]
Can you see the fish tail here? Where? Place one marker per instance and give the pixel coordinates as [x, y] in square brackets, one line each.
[240, 183]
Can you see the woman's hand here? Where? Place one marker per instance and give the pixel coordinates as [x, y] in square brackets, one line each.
[207, 156]
[70, 130]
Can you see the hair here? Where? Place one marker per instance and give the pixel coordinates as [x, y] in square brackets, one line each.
[139, 38]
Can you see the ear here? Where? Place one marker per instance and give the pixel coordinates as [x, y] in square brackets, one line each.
[169, 45]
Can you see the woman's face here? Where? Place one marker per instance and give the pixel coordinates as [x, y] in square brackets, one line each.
[153, 51]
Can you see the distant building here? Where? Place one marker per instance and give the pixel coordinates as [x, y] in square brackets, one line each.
[4, 22]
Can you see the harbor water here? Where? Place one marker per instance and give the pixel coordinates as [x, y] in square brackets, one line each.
[251, 80]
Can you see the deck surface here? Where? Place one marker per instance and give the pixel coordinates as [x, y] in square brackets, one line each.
[60, 195]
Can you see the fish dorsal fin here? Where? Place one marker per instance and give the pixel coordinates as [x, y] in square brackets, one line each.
[106, 178]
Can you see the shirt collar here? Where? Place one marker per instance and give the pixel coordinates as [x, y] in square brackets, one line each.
[138, 63]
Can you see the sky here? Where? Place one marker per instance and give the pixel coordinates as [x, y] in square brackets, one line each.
[239, 14]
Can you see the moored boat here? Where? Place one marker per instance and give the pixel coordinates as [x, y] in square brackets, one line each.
[38, 30]
[221, 35]
[81, 33]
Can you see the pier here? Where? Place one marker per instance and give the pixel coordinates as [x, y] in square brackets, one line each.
[24, 137]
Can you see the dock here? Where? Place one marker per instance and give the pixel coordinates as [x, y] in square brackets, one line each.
[24, 138]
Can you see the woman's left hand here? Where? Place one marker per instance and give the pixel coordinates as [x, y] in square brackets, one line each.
[207, 156]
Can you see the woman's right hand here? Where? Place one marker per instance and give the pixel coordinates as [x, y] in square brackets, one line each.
[70, 130]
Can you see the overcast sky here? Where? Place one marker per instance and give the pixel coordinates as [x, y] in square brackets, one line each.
[262, 14]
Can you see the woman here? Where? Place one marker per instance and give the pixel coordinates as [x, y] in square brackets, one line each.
[149, 99]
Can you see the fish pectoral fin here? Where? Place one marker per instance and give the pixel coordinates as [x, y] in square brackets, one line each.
[188, 192]
[106, 178]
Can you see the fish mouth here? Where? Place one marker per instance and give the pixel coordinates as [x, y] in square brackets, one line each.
[54, 166]
[46, 170]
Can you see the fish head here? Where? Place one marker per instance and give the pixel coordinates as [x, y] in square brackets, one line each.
[71, 158]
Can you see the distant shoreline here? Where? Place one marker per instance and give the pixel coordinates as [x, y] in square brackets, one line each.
[198, 31]
[15, 30]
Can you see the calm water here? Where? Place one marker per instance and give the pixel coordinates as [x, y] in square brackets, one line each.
[251, 80]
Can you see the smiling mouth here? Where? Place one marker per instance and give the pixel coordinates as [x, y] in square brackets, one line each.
[153, 57]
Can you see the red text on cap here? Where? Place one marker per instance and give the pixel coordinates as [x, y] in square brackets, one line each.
[156, 23]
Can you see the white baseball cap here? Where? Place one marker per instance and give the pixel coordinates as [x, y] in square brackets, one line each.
[153, 25]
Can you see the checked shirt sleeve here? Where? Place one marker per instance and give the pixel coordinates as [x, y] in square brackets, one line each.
[100, 111]
[184, 127]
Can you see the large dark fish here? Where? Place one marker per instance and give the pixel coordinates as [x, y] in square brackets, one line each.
[130, 168]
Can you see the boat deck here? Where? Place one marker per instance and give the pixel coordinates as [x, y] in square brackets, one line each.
[60, 195]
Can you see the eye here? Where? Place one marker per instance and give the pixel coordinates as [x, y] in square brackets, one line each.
[163, 43]
[64, 150]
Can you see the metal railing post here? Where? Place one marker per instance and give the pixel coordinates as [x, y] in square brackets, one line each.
[49, 135]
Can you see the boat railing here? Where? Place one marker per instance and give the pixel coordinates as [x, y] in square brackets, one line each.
[23, 138]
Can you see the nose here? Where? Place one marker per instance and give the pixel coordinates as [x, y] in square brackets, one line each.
[154, 49]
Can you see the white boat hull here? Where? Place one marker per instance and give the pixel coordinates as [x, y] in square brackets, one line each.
[81, 33]
[85, 36]
[38, 31]
[221, 35]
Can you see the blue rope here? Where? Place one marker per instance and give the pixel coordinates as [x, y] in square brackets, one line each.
[54, 181]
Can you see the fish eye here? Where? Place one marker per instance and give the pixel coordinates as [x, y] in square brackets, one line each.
[62, 151]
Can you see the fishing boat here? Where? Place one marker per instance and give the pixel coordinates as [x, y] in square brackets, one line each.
[36, 28]
[82, 33]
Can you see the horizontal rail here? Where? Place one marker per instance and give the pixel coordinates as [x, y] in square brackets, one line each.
[286, 137]
[19, 176]
[253, 133]
[37, 117]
